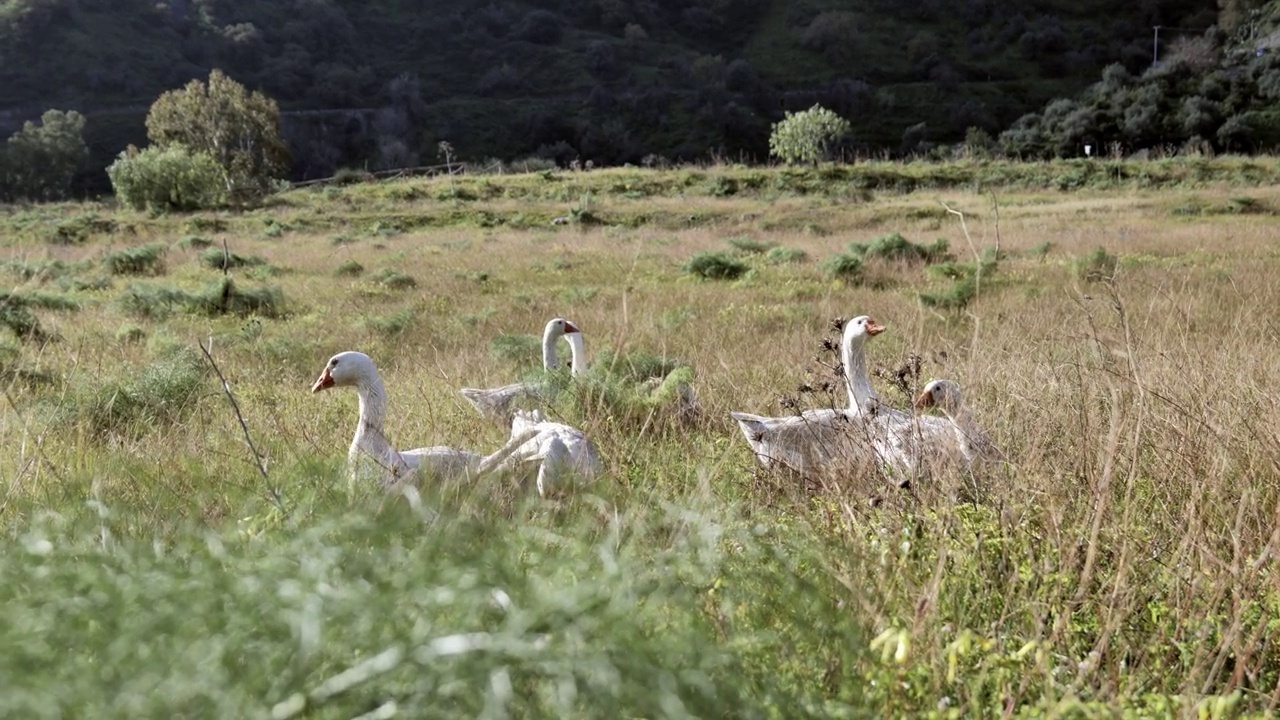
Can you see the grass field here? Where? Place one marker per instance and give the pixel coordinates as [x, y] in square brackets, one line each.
[1118, 346]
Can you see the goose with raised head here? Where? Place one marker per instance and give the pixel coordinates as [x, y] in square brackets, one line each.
[807, 441]
[972, 440]
[562, 453]
[357, 370]
[498, 403]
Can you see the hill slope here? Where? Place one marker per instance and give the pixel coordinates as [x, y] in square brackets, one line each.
[379, 83]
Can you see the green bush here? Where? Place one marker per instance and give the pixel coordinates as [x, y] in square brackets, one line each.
[716, 266]
[40, 161]
[845, 267]
[168, 179]
[215, 259]
[747, 246]
[15, 312]
[194, 242]
[1097, 266]
[222, 297]
[391, 325]
[894, 247]
[237, 130]
[141, 260]
[350, 268]
[784, 255]
[393, 279]
[78, 229]
[522, 350]
[161, 394]
[808, 136]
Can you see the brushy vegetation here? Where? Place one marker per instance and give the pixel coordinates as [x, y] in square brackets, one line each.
[168, 179]
[895, 248]
[222, 297]
[16, 312]
[1097, 266]
[159, 394]
[349, 268]
[716, 266]
[845, 266]
[1118, 566]
[784, 255]
[218, 259]
[393, 279]
[141, 260]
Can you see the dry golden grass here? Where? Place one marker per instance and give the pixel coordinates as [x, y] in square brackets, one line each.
[1132, 540]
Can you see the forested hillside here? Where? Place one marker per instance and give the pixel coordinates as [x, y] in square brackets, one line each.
[379, 82]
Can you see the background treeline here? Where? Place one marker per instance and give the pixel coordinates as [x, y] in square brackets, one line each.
[379, 83]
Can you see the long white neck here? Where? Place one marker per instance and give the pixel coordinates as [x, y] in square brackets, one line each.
[854, 359]
[577, 352]
[550, 358]
[370, 438]
[967, 432]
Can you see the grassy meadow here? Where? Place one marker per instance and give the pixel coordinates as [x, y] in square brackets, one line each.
[1117, 345]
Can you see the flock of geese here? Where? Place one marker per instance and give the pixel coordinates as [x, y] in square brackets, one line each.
[902, 444]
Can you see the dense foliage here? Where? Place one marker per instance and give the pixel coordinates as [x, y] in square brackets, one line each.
[807, 137]
[379, 84]
[239, 129]
[1207, 94]
[40, 161]
[168, 178]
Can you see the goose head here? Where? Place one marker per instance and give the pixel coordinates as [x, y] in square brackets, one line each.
[862, 327]
[344, 369]
[942, 394]
[557, 327]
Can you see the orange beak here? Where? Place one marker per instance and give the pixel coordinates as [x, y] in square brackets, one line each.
[324, 383]
[874, 328]
[924, 401]
[570, 327]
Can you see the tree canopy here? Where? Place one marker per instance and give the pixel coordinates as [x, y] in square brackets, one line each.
[239, 129]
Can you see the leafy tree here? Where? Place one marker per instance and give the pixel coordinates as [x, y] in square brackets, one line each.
[1026, 139]
[167, 178]
[238, 129]
[835, 34]
[41, 160]
[808, 136]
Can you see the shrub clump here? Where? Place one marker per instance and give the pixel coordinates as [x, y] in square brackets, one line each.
[141, 260]
[785, 255]
[222, 297]
[894, 247]
[161, 394]
[194, 242]
[845, 266]
[747, 246]
[522, 350]
[168, 179]
[716, 266]
[15, 312]
[965, 279]
[393, 279]
[391, 325]
[1096, 266]
[215, 259]
[350, 268]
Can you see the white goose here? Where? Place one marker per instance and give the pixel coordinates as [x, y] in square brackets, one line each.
[355, 369]
[807, 441]
[498, 403]
[562, 452]
[972, 440]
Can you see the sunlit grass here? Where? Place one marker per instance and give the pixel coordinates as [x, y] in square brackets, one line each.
[1121, 561]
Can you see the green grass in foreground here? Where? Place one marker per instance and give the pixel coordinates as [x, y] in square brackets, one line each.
[1118, 349]
[450, 610]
